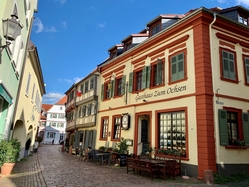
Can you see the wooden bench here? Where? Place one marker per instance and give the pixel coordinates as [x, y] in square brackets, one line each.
[141, 165]
[177, 158]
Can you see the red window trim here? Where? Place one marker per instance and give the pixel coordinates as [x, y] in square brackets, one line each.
[116, 87]
[152, 75]
[101, 128]
[244, 66]
[221, 66]
[112, 133]
[185, 66]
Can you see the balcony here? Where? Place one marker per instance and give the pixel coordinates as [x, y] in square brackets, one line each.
[70, 125]
[85, 97]
[87, 121]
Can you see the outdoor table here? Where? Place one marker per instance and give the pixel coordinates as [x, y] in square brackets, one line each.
[101, 157]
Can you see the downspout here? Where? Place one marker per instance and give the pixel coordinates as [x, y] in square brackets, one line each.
[213, 82]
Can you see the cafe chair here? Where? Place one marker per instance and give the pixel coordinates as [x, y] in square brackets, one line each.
[169, 168]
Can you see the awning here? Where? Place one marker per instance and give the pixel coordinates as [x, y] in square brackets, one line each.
[5, 95]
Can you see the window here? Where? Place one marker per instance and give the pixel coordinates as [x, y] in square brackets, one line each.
[155, 29]
[246, 69]
[104, 128]
[79, 112]
[61, 108]
[172, 131]
[93, 108]
[91, 83]
[53, 115]
[51, 135]
[157, 73]
[106, 90]
[243, 19]
[177, 67]
[61, 116]
[228, 65]
[82, 87]
[234, 127]
[61, 125]
[28, 83]
[119, 86]
[140, 79]
[89, 109]
[86, 86]
[116, 128]
[53, 124]
[128, 46]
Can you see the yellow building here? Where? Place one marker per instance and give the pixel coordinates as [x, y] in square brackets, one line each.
[183, 87]
[27, 113]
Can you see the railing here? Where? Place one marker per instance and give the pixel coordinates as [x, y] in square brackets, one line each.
[85, 95]
[70, 103]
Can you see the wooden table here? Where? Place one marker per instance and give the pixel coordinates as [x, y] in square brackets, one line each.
[101, 157]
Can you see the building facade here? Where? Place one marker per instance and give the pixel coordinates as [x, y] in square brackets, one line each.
[12, 59]
[54, 131]
[28, 104]
[172, 91]
[81, 109]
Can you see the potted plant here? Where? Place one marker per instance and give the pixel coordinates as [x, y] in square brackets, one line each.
[9, 154]
[123, 147]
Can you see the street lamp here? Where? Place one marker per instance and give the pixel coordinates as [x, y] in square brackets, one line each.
[11, 29]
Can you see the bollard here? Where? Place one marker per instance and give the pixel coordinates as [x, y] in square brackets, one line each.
[62, 148]
[208, 177]
[70, 150]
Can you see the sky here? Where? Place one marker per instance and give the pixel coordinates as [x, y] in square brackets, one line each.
[74, 36]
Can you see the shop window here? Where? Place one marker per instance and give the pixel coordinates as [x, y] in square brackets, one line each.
[116, 129]
[233, 127]
[172, 131]
[104, 128]
[228, 65]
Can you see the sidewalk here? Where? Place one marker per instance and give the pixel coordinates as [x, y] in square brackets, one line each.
[51, 168]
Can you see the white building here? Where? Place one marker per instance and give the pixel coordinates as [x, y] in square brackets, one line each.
[55, 123]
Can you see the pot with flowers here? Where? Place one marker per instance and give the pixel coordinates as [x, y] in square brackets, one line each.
[9, 154]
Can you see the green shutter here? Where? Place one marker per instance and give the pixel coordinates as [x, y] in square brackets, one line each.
[159, 71]
[86, 145]
[102, 91]
[144, 77]
[148, 76]
[180, 66]
[247, 69]
[94, 139]
[245, 117]
[130, 82]
[223, 127]
[123, 85]
[173, 69]
[112, 88]
[232, 74]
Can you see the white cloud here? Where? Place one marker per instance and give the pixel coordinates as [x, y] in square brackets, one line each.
[64, 23]
[40, 27]
[101, 25]
[52, 98]
[38, 24]
[70, 81]
[245, 2]
[61, 1]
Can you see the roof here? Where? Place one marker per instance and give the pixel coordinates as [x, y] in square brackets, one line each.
[46, 107]
[62, 101]
[135, 35]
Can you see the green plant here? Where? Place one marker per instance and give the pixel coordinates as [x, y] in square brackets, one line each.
[122, 147]
[39, 139]
[102, 148]
[9, 151]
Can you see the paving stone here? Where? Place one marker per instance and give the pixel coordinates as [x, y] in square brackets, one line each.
[51, 168]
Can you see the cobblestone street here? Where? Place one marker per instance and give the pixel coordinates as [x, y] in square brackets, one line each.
[51, 168]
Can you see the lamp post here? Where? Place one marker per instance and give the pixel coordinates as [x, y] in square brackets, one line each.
[11, 29]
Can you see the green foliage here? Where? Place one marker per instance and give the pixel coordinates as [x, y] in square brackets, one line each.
[218, 179]
[39, 139]
[9, 151]
[123, 147]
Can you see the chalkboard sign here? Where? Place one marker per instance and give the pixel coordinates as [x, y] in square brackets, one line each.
[122, 161]
[144, 131]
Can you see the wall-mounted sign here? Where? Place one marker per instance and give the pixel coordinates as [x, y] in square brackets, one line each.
[125, 121]
[158, 93]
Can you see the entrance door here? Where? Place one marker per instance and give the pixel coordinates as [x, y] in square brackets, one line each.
[144, 135]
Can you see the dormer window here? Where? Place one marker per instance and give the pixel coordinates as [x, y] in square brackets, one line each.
[243, 19]
[155, 29]
[113, 54]
[128, 46]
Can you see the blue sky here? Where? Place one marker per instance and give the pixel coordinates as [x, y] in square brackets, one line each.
[73, 36]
